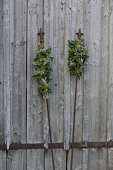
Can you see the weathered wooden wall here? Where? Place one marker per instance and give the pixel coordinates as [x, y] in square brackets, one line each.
[23, 115]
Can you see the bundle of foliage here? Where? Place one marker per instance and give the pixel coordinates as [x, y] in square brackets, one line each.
[43, 69]
[77, 57]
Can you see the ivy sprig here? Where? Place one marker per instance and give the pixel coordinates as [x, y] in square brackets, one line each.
[77, 57]
[43, 69]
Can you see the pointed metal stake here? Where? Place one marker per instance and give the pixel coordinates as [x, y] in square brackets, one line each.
[41, 34]
[79, 34]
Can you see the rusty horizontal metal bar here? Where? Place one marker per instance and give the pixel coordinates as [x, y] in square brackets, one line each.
[75, 145]
[82, 145]
[15, 146]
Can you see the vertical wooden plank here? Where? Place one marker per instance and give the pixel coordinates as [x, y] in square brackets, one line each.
[77, 10]
[35, 158]
[76, 23]
[95, 80]
[16, 160]
[6, 51]
[6, 72]
[2, 115]
[2, 160]
[47, 35]
[110, 86]
[94, 159]
[57, 41]
[67, 76]
[2, 130]
[18, 56]
[109, 159]
[17, 87]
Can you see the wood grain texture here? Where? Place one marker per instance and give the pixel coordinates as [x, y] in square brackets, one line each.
[95, 80]
[16, 160]
[35, 158]
[76, 23]
[18, 84]
[110, 86]
[48, 34]
[67, 105]
[16, 117]
[46, 22]
[6, 86]
[94, 159]
[57, 22]
[2, 160]
[6, 51]
[110, 75]
[23, 115]
[2, 115]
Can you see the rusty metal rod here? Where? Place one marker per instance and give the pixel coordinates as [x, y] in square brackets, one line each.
[79, 34]
[74, 116]
[48, 114]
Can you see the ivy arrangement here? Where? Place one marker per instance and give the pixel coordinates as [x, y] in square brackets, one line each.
[43, 69]
[77, 57]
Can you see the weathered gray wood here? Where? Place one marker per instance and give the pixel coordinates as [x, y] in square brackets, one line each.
[95, 79]
[77, 10]
[16, 118]
[94, 159]
[35, 158]
[2, 115]
[17, 56]
[109, 159]
[110, 86]
[16, 160]
[60, 20]
[5, 88]
[6, 102]
[76, 23]
[67, 76]
[2, 126]
[2, 160]
[77, 159]
[47, 34]
[57, 38]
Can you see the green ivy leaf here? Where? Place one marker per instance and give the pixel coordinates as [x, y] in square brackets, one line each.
[41, 64]
[77, 57]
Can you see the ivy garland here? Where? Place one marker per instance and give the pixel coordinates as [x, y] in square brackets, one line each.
[43, 69]
[77, 57]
